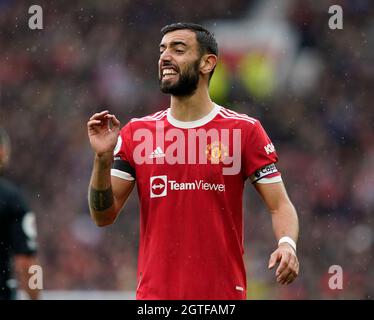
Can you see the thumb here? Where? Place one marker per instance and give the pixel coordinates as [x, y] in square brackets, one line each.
[274, 258]
[116, 122]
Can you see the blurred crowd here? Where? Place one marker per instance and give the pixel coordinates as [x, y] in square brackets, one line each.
[93, 55]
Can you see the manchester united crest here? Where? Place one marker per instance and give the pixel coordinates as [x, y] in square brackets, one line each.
[216, 152]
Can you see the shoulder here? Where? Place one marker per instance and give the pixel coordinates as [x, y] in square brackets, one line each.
[144, 121]
[232, 115]
[159, 115]
[239, 120]
[251, 127]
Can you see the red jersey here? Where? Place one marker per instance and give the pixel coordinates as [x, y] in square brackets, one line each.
[190, 178]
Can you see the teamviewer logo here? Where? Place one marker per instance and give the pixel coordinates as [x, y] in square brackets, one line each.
[158, 186]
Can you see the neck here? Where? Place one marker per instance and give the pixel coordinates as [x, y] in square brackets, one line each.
[193, 107]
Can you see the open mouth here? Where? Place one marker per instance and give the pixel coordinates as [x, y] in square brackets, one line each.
[168, 73]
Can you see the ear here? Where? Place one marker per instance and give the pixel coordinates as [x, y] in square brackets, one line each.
[207, 63]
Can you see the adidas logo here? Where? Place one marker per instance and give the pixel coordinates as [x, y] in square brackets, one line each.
[157, 153]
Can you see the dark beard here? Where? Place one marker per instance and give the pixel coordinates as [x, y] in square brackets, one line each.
[187, 83]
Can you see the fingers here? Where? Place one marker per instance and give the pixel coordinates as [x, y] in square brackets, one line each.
[96, 120]
[288, 269]
[294, 271]
[96, 124]
[116, 123]
[102, 120]
[274, 258]
[99, 115]
[292, 276]
[282, 269]
[92, 125]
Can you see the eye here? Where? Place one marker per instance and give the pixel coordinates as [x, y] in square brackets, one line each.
[179, 51]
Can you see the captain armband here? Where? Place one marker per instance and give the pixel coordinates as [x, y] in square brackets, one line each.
[267, 174]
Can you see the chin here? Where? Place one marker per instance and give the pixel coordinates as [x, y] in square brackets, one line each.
[167, 85]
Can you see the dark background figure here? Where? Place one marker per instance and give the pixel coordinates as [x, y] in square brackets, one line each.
[17, 234]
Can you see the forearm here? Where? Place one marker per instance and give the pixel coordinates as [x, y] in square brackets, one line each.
[285, 224]
[285, 221]
[100, 194]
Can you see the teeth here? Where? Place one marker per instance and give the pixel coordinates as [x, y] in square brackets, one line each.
[168, 72]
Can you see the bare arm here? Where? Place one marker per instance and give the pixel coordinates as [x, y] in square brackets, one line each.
[106, 194]
[283, 213]
[22, 263]
[285, 223]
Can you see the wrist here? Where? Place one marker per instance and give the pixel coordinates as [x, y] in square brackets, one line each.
[104, 159]
[289, 241]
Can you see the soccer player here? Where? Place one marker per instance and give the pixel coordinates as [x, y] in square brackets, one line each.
[190, 163]
[17, 234]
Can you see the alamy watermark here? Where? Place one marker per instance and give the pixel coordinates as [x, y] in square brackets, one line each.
[36, 20]
[336, 20]
[197, 146]
[336, 278]
[36, 278]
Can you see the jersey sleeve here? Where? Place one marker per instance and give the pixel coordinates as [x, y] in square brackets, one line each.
[260, 156]
[123, 164]
[23, 226]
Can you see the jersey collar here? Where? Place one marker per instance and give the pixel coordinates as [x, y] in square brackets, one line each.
[196, 123]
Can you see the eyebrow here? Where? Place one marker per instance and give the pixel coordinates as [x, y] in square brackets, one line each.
[174, 43]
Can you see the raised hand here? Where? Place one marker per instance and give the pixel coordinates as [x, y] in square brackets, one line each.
[103, 129]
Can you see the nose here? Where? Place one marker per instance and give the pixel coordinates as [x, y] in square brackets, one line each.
[165, 56]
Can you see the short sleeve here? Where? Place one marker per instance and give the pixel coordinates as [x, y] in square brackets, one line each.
[123, 166]
[23, 227]
[259, 153]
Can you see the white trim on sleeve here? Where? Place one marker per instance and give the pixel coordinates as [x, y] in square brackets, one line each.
[270, 180]
[121, 174]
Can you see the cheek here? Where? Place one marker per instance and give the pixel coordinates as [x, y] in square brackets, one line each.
[159, 68]
[183, 66]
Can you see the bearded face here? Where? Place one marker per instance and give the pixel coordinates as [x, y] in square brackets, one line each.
[179, 81]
